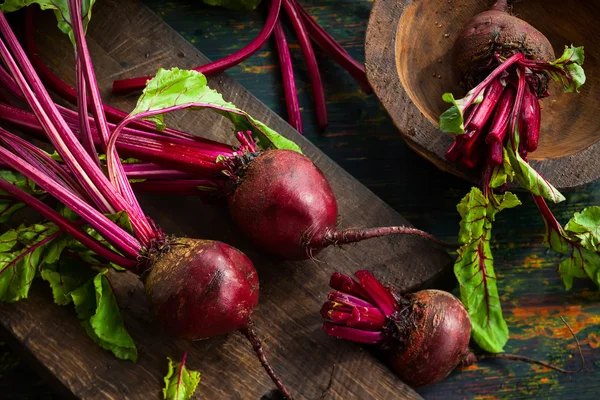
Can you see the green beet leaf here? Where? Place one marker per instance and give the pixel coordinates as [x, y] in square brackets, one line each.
[60, 8]
[528, 177]
[66, 276]
[571, 76]
[8, 204]
[585, 226]
[579, 242]
[99, 313]
[243, 5]
[502, 173]
[180, 382]
[23, 252]
[474, 267]
[176, 88]
[86, 255]
[452, 120]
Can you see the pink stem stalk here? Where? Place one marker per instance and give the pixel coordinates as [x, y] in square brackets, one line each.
[379, 293]
[330, 46]
[84, 122]
[118, 237]
[352, 334]
[348, 285]
[287, 72]
[117, 176]
[181, 187]
[221, 65]
[67, 92]
[311, 63]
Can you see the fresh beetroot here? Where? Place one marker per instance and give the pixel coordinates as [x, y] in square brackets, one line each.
[489, 55]
[201, 289]
[423, 336]
[496, 31]
[284, 204]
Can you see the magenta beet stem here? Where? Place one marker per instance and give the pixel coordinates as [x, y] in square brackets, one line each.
[367, 318]
[495, 152]
[118, 178]
[144, 170]
[347, 300]
[333, 49]
[499, 127]
[87, 140]
[311, 63]
[549, 218]
[121, 239]
[188, 155]
[454, 152]
[221, 65]
[376, 291]
[476, 91]
[346, 284]
[339, 316]
[67, 226]
[486, 107]
[352, 334]
[517, 107]
[181, 187]
[530, 120]
[289, 84]
[67, 92]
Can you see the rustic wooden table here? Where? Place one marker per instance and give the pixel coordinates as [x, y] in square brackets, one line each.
[362, 139]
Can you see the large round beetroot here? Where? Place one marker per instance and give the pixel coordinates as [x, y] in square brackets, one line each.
[201, 289]
[496, 31]
[284, 203]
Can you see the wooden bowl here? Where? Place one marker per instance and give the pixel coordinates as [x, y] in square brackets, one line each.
[409, 64]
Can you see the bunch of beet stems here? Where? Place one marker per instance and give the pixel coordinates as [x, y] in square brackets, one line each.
[183, 164]
[305, 29]
[510, 104]
[508, 101]
[81, 185]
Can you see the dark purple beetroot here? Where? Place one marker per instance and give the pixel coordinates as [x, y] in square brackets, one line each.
[423, 336]
[494, 31]
[435, 332]
[201, 289]
[283, 202]
[285, 205]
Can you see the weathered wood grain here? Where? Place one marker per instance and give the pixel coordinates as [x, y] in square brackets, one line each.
[409, 64]
[126, 39]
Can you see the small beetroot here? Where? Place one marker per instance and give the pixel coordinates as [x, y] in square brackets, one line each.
[423, 336]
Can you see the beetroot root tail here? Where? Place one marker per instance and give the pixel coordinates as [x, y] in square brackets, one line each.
[258, 349]
[353, 235]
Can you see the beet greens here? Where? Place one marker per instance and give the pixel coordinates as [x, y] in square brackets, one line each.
[507, 65]
[180, 382]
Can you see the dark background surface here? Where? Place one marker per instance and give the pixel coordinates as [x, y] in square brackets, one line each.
[362, 139]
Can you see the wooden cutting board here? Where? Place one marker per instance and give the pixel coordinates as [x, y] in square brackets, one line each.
[126, 39]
